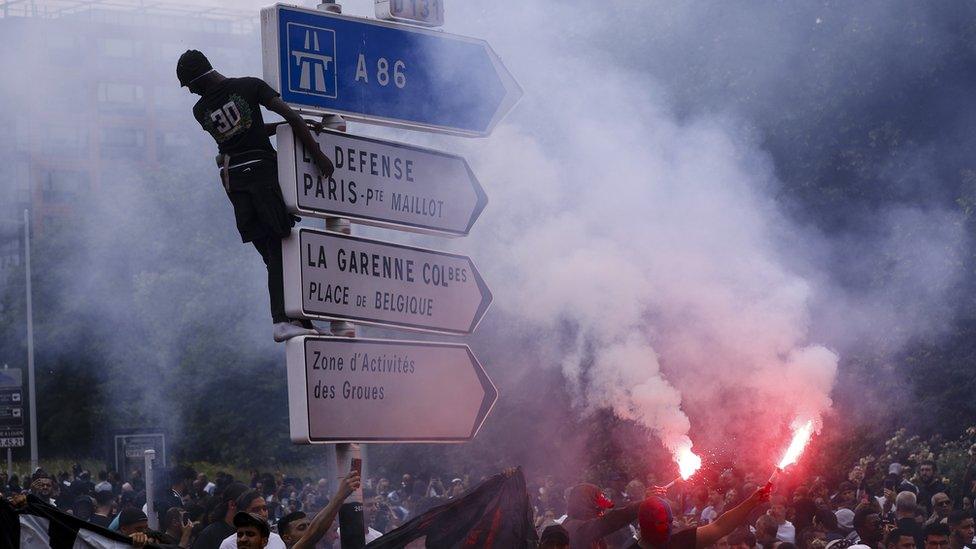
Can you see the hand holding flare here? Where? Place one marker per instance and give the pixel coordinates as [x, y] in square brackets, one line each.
[688, 464]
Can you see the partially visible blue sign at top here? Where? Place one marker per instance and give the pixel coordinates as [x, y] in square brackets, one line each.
[381, 72]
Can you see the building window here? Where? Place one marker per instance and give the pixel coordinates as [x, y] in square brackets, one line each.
[109, 92]
[63, 186]
[123, 143]
[172, 98]
[65, 142]
[174, 144]
[119, 48]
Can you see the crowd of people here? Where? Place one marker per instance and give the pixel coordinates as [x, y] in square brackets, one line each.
[906, 508]
[195, 511]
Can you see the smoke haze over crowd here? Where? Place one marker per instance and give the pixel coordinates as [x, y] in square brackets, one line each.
[660, 231]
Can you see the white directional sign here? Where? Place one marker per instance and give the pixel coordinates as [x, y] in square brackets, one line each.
[429, 13]
[12, 432]
[380, 183]
[374, 390]
[335, 276]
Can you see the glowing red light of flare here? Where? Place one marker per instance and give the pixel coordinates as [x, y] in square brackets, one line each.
[688, 462]
[800, 439]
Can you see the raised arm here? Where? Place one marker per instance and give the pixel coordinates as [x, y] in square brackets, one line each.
[731, 519]
[298, 126]
[323, 520]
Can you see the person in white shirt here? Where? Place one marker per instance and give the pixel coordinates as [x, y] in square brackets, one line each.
[716, 504]
[103, 484]
[784, 528]
[251, 502]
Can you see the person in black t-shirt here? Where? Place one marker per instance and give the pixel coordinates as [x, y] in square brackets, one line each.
[230, 110]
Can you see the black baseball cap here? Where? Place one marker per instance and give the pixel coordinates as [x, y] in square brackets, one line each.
[192, 65]
[250, 519]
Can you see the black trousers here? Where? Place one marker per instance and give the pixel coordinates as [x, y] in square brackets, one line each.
[263, 220]
[270, 249]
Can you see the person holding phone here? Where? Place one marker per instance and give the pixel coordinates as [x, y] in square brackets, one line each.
[298, 532]
[178, 526]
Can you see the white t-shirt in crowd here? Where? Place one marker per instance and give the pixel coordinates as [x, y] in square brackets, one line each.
[786, 532]
[708, 514]
[274, 542]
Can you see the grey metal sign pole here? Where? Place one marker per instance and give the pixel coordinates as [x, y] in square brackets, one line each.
[30, 346]
[352, 525]
[150, 468]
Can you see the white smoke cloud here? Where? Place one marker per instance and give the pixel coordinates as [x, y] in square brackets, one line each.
[658, 240]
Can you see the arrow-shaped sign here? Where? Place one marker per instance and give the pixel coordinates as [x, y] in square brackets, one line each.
[375, 390]
[380, 183]
[11, 378]
[382, 72]
[335, 276]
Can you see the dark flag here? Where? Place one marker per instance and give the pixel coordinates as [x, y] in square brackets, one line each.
[38, 525]
[495, 515]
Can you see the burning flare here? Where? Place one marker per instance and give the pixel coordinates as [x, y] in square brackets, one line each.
[688, 462]
[801, 436]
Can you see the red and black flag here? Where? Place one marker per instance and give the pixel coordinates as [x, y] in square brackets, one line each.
[495, 515]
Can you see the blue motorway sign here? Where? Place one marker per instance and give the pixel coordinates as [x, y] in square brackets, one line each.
[386, 73]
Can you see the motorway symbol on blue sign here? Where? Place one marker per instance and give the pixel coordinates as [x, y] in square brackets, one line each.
[376, 71]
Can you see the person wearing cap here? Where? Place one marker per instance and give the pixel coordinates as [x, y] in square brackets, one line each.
[252, 502]
[252, 531]
[230, 110]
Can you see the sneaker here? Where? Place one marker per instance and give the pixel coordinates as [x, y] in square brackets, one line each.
[284, 331]
[307, 324]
